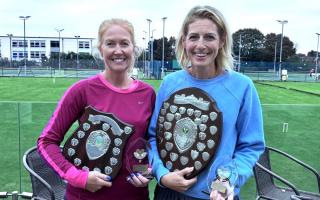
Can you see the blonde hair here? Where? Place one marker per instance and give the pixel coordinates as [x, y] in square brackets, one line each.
[120, 22]
[224, 58]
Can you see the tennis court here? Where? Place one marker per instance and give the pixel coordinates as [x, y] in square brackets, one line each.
[28, 108]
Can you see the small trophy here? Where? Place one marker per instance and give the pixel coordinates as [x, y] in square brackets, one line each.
[137, 158]
[225, 177]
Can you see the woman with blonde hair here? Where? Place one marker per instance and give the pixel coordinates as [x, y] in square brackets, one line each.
[121, 100]
[204, 52]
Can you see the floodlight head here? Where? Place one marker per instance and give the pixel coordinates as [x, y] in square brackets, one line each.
[24, 17]
[59, 30]
[282, 21]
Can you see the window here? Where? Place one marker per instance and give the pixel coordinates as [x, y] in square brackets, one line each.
[14, 43]
[18, 54]
[34, 54]
[80, 45]
[54, 44]
[19, 43]
[84, 45]
[37, 54]
[37, 43]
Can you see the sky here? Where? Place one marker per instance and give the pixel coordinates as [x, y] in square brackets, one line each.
[83, 17]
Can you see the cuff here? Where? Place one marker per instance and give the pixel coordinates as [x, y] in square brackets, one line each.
[159, 171]
[76, 177]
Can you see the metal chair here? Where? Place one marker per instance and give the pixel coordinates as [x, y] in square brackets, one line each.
[266, 187]
[46, 184]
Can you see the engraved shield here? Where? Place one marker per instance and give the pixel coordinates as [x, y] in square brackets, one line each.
[98, 143]
[188, 130]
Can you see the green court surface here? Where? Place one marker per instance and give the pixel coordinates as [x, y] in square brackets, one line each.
[26, 104]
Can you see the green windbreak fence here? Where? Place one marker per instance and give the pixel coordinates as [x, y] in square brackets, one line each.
[21, 124]
[292, 128]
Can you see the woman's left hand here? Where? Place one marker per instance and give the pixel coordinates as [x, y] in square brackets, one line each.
[138, 180]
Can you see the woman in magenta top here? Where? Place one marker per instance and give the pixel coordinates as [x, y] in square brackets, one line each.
[112, 91]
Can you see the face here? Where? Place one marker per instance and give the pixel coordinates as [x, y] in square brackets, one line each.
[117, 49]
[202, 43]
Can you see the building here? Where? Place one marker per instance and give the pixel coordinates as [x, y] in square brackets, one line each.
[12, 47]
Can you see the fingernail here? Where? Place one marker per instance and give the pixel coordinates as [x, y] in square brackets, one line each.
[128, 178]
[108, 178]
[132, 174]
[138, 174]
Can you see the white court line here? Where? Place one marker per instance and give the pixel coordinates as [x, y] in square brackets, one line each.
[29, 102]
[273, 104]
[266, 104]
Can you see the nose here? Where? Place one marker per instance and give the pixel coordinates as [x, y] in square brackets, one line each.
[118, 49]
[201, 44]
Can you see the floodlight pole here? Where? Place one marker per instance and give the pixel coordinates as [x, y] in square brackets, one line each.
[162, 67]
[282, 22]
[143, 55]
[25, 55]
[10, 38]
[145, 51]
[239, 61]
[275, 57]
[316, 70]
[149, 47]
[152, 39]
[77, 67]
[59, 31]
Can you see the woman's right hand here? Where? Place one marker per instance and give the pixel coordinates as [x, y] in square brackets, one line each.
[177, 181]
[97, 180]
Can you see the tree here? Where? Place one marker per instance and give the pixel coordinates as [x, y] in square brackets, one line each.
[169, 46]
[273, 41]
[312, 53]
[288, 48]
[252, 41]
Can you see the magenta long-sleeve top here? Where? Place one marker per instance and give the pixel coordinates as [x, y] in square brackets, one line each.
[133, 105]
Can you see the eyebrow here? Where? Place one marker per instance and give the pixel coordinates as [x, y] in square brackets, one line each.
[196, 33]
[121, 40]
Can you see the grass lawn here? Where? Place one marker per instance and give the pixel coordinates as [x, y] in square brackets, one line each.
[26, 104]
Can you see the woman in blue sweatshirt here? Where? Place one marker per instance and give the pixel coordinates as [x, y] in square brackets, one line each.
[204, 52]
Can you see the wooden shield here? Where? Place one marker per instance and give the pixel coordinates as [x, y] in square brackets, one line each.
[98, 143]
[188, 130]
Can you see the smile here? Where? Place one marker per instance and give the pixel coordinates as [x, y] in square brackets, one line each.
[118, 59]
[201, 54]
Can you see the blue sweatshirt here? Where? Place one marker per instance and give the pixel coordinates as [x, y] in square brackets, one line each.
[242, 137]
